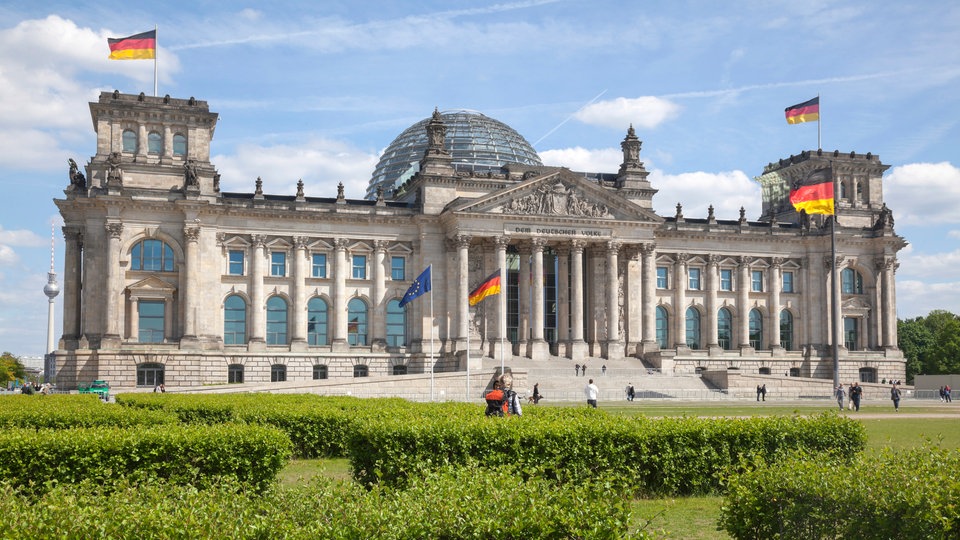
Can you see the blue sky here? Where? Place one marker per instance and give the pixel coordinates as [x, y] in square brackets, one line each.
[315, 90]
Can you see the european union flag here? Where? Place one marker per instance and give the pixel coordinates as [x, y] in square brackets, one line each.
[420, 285]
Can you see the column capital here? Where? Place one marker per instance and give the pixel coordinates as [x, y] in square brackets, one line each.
[648, 248]
[577, 246]
[72, 233]
[258, 240]
[300, 242]
[462, 240]
[114, 230]
[501, 242]
[682, 258]
[713, 260]
[379, 246]
[191, 233]
[777, 262]
[829, 262]
[744, 261]
[613, 247]
[340, 244]
[537, 244]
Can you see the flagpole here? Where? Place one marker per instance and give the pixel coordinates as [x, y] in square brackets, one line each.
[819, 123]
[431, 332]
[837, 332]
[468, 358]
[156, 53]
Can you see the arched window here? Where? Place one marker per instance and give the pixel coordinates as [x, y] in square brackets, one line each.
[725, 328]
[179, 145]
[786, 330]
[400, 369]
[151, 256]
[662, 327]
[235, 374]
[234, 321]
[357, 322]
[278, 373]
[319, 372]
[154, 143]
[276, 321]
[851, 281]
[396, 324]
[693, 328]
[149, 375]
[129, 141]
[317, 322]
[361, 370]
[756, 329]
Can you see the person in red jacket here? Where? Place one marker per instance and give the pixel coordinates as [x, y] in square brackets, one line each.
[495, 400]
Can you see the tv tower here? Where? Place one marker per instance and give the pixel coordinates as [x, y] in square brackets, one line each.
[51, 289]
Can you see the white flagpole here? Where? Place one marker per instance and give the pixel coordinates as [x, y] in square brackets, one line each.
[431, 333]
[156, 53]
[468, 359]
[819, 123]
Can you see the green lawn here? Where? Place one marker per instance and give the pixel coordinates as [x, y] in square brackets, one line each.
[695, 518]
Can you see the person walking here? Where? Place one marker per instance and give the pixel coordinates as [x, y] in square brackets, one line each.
[631, 393]
[855, 392]
[763, 392]
[895, 396]
[840, 393]
[536, 393]
[946, 394]
[592, 393]
[577, 367]
[583, 370]
[758, 392]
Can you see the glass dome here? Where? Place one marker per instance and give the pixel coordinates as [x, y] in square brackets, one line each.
[475, 141]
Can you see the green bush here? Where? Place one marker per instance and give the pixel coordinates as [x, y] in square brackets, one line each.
[676, 456]
[62, 411]
[455, 504]
[181, 454]
[905, 495]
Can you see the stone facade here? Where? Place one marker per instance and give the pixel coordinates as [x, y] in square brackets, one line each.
[167, 278]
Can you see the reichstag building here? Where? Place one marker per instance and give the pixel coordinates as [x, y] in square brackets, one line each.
[167, 278]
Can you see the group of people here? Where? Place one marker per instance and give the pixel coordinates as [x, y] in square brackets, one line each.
[853, 394]
[503, 399]
[762, 392]
[582, 370]
[945, 394]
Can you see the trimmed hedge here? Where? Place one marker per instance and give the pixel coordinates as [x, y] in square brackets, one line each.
[462, 504]
[677, 456]
[181, 454]
[897, 495]
[62, 411]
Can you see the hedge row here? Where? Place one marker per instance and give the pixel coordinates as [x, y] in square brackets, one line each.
[194, 455]
[462, 504]
[677, 456]
[62, 411]
[897, 495]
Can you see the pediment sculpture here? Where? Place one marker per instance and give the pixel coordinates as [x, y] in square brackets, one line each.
[556, 199]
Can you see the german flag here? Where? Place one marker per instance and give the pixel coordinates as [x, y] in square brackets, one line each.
[814, 193]
[488, 287]
[137, 47]
[808, 111]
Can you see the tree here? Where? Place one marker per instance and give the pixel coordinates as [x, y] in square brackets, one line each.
[931, 344]
[11, 369]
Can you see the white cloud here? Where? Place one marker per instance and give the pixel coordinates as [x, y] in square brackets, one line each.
[928, 265]
[8, 257]
[21, 237]
[696, 191]
[918, 298]
[583, 160]
[321, 163]
[924, 193]
[953, 234]
[643, 112]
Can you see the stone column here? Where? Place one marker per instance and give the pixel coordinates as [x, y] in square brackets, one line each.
[258, 323]
[563, 299]
[191, 282]
[713, 285]
[114, 285]
[135, 319]
[578, 347]
[889, 309]
[743, 301]
[72, 250]
[633, 307]
[836, 295]
[298, 332]
[501, 347]
[648, 272]
[142, 143]
[167, 143]
[776, 283]
[537, 347]
[523, 311]
[463, 289]
[340, 270]
[168, 319]
[614, 345]
[379, 291]
[680, 302]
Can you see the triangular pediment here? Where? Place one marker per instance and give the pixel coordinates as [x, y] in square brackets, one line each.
[557, 194]
[151, 287]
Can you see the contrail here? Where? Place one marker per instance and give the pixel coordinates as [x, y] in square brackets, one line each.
[567, 119]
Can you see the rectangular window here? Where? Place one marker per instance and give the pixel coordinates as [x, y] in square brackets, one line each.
[788, 282]
[662, 277]
[359, 267]
[235, 262]
[398, 268]
[694, 274]
[278, 263]
[150, 321]
[756, 280]
[726, 279]
[319, 265]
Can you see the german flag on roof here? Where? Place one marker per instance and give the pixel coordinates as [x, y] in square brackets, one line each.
[136, 47]
[814, 193]
[808, 111]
